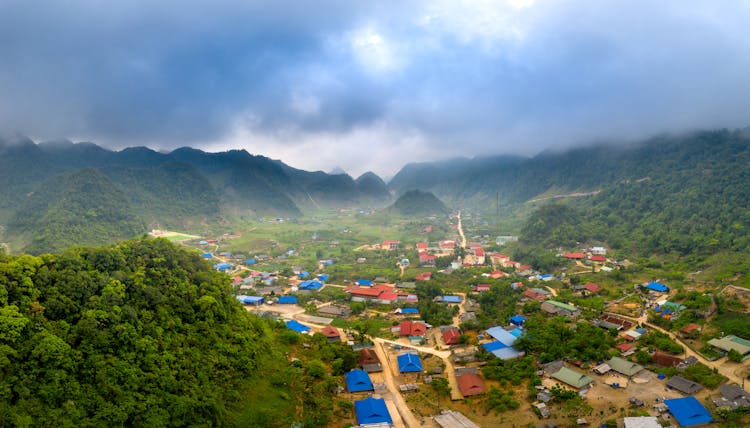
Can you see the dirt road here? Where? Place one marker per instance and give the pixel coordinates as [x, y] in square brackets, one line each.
[449, 371]
[731, 373]
[404, 417]
[461, 230]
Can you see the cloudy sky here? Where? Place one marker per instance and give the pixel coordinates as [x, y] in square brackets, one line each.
[371, 85]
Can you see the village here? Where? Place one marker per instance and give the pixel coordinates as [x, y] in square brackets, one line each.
[433, 345]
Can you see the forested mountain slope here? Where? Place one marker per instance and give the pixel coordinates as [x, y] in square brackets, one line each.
[480, 181]
[180, 189]
[688, 197]
[146, 334]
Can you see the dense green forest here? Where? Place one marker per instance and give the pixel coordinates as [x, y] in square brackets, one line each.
[145, 334]
[692, 205]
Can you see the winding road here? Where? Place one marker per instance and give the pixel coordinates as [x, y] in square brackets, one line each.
[689, 352]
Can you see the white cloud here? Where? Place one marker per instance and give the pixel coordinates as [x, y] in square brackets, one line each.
[380, 147]
[374, 52]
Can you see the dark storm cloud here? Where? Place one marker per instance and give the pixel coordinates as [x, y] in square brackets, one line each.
[363, 84]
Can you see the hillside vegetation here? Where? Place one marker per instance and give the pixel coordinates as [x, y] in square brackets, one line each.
[146, 334]
[417, 202]
[185, 189]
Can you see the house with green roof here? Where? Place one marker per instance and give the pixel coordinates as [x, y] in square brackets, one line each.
[623, 366]
[573, 378]
[554, 307]
[732, 342]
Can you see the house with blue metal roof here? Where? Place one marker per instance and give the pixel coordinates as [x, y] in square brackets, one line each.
[410, 311]
[302, 275]
[222, 266]
[364, 282]
[409, 363]
[296, 326]
[251, 300]
[207, 255]
[449, 299]
[250, 261]
[323, 277]
[287, 300]
[310, 284]
[502, 335]
[358, 380]
[493, 346]
[657, 286]
[517, 320]
[688, 411]
[372, 411]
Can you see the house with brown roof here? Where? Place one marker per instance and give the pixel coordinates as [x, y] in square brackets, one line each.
[471, 384]
[665, 360]
[368, 360]
[331, 333]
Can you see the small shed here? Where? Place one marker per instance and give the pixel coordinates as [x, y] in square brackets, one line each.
[517, 320]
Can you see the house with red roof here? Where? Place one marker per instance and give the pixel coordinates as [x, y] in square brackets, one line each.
[511, 264]
[447, 245]
[498, 259]
[421, 246]
[598, 259]
[574, 256]
[625, 347]
[387, 298]
[531, 294]
[497, 274]
[361, 294]
[471, 384]
[450, 336]
[588, 288]
[592, 287]
[480, 288]
[691, 329]
[426, 259]
[424, 276]
[411, 328]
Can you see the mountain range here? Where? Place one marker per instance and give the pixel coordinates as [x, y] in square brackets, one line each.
[180, 189]
[694, 183]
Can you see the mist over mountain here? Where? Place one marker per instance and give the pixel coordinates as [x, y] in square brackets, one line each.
[180, 189]
[372, 185]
